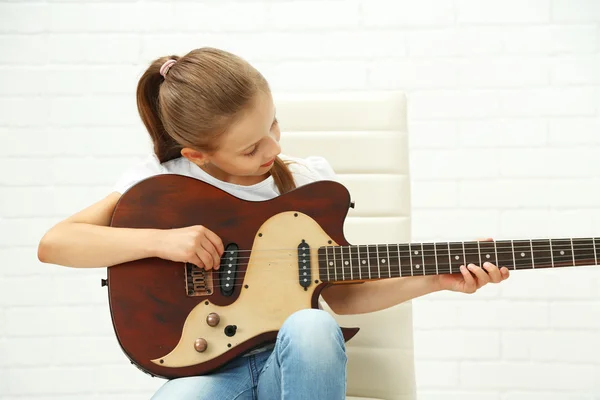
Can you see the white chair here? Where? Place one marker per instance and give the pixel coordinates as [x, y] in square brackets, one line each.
[364, 137]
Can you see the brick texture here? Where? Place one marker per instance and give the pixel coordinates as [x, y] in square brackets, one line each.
[504, 121]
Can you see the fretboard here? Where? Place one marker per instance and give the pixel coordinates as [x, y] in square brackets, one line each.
[368, 262]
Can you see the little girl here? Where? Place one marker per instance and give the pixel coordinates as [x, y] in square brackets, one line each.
[211, 116]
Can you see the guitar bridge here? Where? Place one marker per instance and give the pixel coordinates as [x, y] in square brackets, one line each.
[198, 282]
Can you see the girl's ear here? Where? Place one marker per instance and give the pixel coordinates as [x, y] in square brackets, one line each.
[197, 157]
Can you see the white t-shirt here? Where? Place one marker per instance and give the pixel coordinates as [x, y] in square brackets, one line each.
[304, 170]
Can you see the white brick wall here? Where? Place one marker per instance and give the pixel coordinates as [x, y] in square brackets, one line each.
[504, 110]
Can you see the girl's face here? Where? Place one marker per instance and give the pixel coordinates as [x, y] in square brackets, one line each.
[247, 150]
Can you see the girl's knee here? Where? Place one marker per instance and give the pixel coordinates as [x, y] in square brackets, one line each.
[314, 333]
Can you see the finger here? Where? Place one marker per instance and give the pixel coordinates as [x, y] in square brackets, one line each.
[493, 272]
[470, 284]
[206, 258]
[482, 277]
[505, 272]
[210, 248]
[485, 240]
[216, 241]
[194, 259]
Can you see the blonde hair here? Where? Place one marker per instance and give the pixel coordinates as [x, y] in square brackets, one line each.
[197, 100]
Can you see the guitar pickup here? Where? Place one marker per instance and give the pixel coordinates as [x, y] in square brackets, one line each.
[228, 269]
[304, 275]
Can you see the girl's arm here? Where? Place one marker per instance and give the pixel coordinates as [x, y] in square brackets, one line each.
[378, 295]
[85, 240]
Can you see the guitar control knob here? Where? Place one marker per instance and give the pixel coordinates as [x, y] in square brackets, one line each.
[213, 319]
[200, 345]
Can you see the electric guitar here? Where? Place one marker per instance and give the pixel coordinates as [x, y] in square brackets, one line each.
[175, 319]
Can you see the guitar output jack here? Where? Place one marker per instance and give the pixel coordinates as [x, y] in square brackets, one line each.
[230, 330]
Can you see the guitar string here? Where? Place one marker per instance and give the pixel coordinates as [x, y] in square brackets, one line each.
[358, 277]
[426, 253]
[523, 242]
[398, 270]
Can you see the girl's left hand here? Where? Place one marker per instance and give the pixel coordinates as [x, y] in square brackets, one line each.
[473, 277]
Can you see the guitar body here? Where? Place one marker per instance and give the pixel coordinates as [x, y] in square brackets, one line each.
[174, 319]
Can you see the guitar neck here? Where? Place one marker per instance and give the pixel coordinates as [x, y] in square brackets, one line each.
[371, 262]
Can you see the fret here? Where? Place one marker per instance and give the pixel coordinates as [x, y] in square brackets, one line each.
[512, 248]
[378, 261]
[596, 251]
[417, 258]
[363, 261]
[338, 263]
[368, 261]
[373, 262]
[330, 264]
[542, 256]
[443, 258]
[456, 257]
[561, 251]
[387, 261]
[410, 262]
[355, 263]
[583, 251]
[346, 263]
[504, 254]
[429, 257]
[323, 259]
[487, 251]
[394, 261]
[404, 257]
[522, 254]
[472, 253]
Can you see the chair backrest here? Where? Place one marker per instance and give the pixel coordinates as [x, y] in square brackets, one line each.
[364, 137]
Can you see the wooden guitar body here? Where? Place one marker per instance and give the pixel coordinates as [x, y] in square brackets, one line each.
[173, 319]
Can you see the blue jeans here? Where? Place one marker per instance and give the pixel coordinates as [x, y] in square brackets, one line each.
[307, 362]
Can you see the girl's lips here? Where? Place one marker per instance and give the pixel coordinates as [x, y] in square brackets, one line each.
[269, 163]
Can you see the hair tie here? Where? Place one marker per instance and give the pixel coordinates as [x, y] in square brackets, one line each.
[166, 66]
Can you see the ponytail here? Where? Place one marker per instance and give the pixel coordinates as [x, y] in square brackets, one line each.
[165, 147]
[282, 176]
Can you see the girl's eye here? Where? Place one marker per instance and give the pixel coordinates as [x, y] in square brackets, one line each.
[253, 152]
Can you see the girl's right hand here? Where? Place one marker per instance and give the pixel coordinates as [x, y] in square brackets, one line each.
[193, 244]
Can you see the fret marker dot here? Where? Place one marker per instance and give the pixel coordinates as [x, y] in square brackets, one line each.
[562, 253]
[418, 266]
[330, 262]
[522, 254]
[383, 260]
[456, 257]
[487, 256]
[416, 251]
[346, 262]
[364, 262]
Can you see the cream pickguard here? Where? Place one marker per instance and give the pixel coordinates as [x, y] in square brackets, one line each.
[273, 292]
